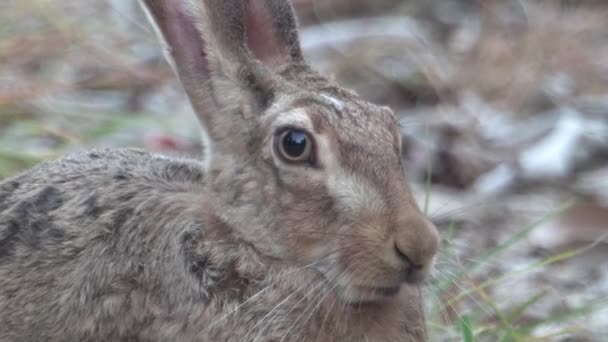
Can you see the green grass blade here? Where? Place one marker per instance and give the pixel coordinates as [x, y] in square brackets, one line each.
[493, 253]
[464, 323]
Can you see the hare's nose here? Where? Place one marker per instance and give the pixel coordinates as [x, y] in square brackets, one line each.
[416, 243]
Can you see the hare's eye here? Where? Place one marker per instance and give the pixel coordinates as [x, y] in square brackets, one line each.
[294, 146]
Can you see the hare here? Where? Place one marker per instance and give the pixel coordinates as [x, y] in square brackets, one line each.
[298, 225]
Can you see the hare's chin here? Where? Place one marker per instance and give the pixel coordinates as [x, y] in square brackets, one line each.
[366, 294]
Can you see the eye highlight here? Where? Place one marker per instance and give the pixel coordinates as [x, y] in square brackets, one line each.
[294, 146]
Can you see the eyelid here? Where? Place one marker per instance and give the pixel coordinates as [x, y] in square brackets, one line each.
[297, 118]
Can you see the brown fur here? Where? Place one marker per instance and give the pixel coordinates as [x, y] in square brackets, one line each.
[123, 245]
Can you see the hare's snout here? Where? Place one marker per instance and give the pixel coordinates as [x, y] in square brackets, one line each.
[394, 253]
[416, 243]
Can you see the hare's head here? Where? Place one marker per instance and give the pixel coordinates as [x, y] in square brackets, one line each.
[306, 172]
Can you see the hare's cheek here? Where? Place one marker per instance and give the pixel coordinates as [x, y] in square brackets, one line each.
[354, 196]
[361, 207]
[310, 222]
[321, 255]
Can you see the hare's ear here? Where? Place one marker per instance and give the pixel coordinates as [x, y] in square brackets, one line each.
[272, 32]
[265, 30]
[226, 44]
[185, 49]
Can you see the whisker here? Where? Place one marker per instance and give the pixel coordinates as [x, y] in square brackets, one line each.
[268, 315]
[250, 299]
[270, 321]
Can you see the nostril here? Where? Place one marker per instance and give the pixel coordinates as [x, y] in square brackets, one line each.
[402, 256]
[412, 273]
[410, 266]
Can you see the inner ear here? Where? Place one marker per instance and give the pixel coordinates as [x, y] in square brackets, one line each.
[264, 34]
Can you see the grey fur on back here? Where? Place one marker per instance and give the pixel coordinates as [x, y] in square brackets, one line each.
[84, 239]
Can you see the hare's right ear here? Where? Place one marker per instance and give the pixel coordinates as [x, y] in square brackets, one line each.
[224, 50]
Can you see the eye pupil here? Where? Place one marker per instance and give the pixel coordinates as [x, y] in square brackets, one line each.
[294, 143]
[295, 146]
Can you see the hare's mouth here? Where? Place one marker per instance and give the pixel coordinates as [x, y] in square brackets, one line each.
[387, 291]
[367, 294]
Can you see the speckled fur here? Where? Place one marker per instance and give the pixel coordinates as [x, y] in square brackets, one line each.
[124, 245]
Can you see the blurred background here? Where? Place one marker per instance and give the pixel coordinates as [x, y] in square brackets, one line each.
[504, 114]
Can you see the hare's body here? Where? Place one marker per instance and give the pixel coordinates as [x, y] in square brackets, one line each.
[133, 259]
[298, 226]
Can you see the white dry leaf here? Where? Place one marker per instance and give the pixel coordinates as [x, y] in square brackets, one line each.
[554, 156]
